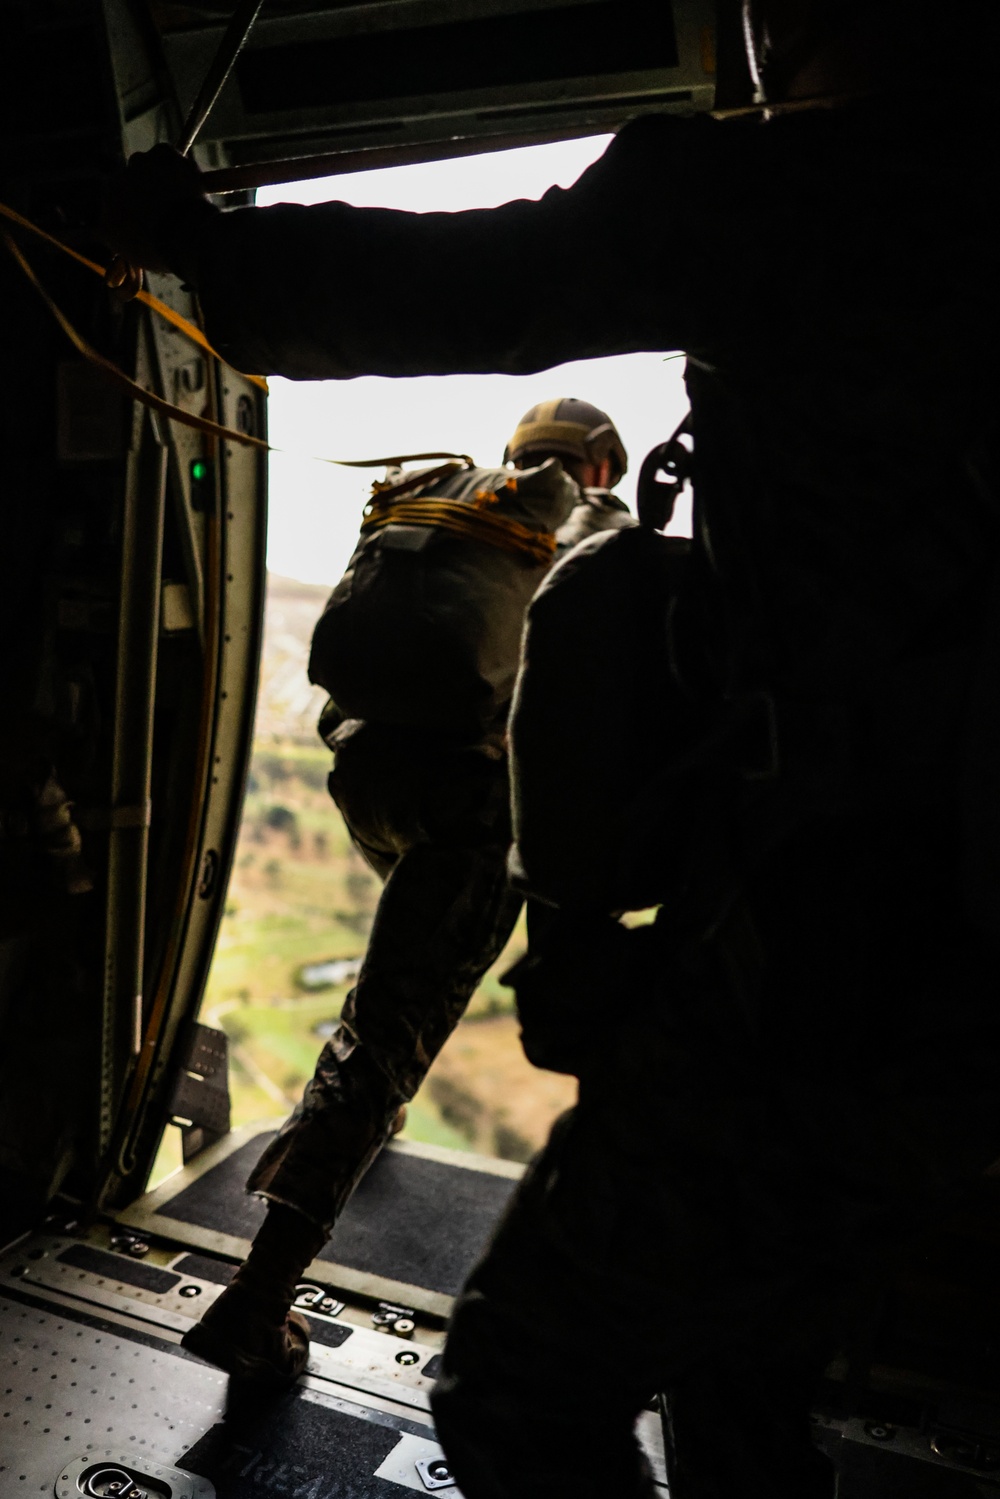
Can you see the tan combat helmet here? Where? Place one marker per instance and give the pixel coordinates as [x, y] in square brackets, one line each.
[570, 427]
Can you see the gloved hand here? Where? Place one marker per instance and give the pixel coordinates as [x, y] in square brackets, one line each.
[152, 209]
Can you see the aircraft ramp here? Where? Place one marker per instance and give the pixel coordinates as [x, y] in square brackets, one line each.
[100, 1399]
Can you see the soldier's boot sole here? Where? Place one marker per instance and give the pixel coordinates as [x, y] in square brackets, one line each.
[239, 1353]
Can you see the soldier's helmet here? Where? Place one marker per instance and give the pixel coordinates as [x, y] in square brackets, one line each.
[571, 427]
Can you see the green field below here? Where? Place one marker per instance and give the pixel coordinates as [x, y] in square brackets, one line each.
[300, 894]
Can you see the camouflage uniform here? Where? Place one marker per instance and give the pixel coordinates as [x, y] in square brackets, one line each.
[432, 819]
[431, 816]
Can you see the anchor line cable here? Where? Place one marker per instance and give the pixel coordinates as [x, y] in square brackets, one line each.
[159, 403]
[162, 309]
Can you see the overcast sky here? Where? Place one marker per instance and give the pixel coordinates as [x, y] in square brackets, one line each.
[316, 509]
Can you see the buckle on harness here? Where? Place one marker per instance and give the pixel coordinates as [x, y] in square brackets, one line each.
[757, 755]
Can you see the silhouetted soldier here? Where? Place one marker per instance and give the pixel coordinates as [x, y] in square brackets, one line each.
[586, 442]
[418, 646]
[815, 1066]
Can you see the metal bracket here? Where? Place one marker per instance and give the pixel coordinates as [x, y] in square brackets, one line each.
[316, 1300]
[114, 1476]
[200, 1103]
[398, 1320]
[761, 761]
[435, 1473]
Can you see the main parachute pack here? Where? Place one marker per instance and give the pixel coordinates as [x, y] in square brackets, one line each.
[424, 628]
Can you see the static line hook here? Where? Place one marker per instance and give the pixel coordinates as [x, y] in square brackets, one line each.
[123, 280]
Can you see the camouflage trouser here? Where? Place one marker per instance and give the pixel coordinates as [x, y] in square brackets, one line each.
[443, 918]
[742, 1157]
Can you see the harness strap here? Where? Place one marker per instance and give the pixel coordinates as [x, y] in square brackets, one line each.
[470, 521]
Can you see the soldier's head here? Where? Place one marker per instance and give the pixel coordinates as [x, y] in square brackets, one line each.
[802, 48]
[581, 436]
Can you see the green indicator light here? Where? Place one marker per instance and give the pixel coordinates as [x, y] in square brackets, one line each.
[202, 484]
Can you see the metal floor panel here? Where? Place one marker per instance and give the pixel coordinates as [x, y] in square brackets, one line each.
[91, 1374]
[414, 1228]
[78, 1390]
[344, 1352]
[74, 1386]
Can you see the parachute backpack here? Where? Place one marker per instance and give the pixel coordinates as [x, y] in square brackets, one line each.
[423, 630]
[610, 829]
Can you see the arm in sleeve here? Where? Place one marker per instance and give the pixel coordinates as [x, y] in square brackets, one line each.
[332, 291]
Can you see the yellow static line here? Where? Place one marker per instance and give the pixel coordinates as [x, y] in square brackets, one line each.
[176, 319]
[177, 413]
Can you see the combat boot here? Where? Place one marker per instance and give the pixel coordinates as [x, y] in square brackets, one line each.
[251, 1331]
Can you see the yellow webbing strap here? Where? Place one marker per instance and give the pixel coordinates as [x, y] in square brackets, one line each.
[470, 521]
[125, 382]
[176, 319]
[177, 413]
